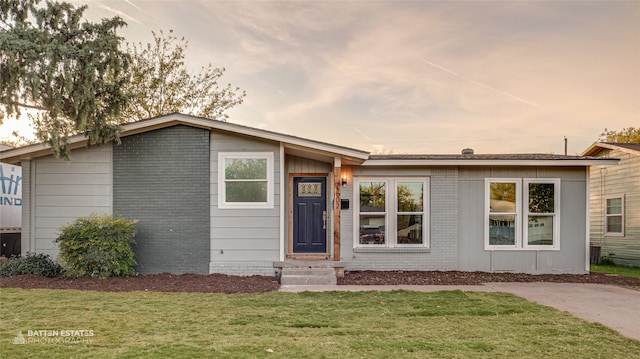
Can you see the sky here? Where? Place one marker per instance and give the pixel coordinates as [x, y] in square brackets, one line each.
[413, 76]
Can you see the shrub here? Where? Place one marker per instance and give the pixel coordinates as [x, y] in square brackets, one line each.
[39, 263]
[98, 246]
[606, 261]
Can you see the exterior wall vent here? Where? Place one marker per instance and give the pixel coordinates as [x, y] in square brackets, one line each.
[467, 151]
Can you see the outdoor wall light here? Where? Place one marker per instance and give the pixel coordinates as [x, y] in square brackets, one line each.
[344, 180]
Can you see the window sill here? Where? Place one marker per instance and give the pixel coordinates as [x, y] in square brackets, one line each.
[245, 206]
[528, 249]
[392, 250]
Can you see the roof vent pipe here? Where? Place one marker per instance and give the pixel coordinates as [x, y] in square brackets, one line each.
[467, 151]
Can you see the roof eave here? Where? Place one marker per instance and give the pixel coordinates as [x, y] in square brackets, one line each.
[597, 146]
[471, 162]
[14, 156]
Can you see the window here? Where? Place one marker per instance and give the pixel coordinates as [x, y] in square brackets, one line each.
[373, 212]
[391, 213]
[245, 180]
[614, 216]
[410, 212]
[504, 200]
[541, 198]
[522, 214]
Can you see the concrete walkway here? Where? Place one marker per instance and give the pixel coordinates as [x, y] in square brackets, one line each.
[616, 307]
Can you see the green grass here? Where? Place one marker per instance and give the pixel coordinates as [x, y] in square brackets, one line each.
[618, 270]
[399, 324]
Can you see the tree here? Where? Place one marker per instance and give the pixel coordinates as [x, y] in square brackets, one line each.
[71, 72]
[161, 83]
[626, 135]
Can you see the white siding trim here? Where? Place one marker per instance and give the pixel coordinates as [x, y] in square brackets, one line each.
[33, 205]
[282, 199]
[587, 254]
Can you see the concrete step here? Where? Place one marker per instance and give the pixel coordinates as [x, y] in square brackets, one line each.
[308, 276]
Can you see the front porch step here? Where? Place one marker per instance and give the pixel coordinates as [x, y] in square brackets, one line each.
[308, 276]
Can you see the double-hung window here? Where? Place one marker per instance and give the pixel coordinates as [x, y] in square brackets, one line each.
[614, 216]
[541, 197]
[522, 213]
[373, 212]
[504, 216]
[245, 180]
[391, 212]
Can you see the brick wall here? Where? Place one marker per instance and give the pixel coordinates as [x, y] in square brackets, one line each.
[161, 178]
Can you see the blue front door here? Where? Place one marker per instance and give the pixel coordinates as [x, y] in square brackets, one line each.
[309, 215]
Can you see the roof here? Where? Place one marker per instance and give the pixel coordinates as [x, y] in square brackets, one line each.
[524, 159]
[317, 150]
[596, 147]
[293, 145]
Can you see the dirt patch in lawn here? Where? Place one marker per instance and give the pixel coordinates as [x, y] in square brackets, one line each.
[219, 283]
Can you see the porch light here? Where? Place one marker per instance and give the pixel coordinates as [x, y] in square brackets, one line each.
[344, 180]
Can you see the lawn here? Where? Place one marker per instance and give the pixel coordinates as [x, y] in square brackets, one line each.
[447, 324]
[618, 270]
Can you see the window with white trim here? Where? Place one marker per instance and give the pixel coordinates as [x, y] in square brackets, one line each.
[540, 198]
[614, 216]
[245, 180]
[521, 213]
[391, 212]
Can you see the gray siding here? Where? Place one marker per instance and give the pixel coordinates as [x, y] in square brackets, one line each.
[623, 179]
[56, 192]
[244, 241]
[161, 178]
[571, 256]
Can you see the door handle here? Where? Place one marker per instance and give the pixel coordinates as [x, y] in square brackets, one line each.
[324, 219]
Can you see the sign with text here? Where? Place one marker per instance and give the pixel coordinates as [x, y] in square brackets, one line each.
[10, 196]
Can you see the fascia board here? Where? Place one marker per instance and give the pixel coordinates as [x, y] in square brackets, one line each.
[128, 129]
[549, 163]
[599, 145]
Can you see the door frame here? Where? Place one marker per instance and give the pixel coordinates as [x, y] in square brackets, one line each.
[290, 253]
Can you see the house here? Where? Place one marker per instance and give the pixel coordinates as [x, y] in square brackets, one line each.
[218, 197]
[615, 202]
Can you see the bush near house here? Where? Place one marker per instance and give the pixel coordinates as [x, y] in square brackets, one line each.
[98, 246]
[40, 264]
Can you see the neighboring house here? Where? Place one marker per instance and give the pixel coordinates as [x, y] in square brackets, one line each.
[215, 196]
[615, 202]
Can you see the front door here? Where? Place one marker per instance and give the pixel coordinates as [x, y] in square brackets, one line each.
[309, 215]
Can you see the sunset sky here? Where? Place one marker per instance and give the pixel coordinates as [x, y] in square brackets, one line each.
[414, 76]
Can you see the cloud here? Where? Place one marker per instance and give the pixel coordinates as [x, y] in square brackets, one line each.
[418, 76]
